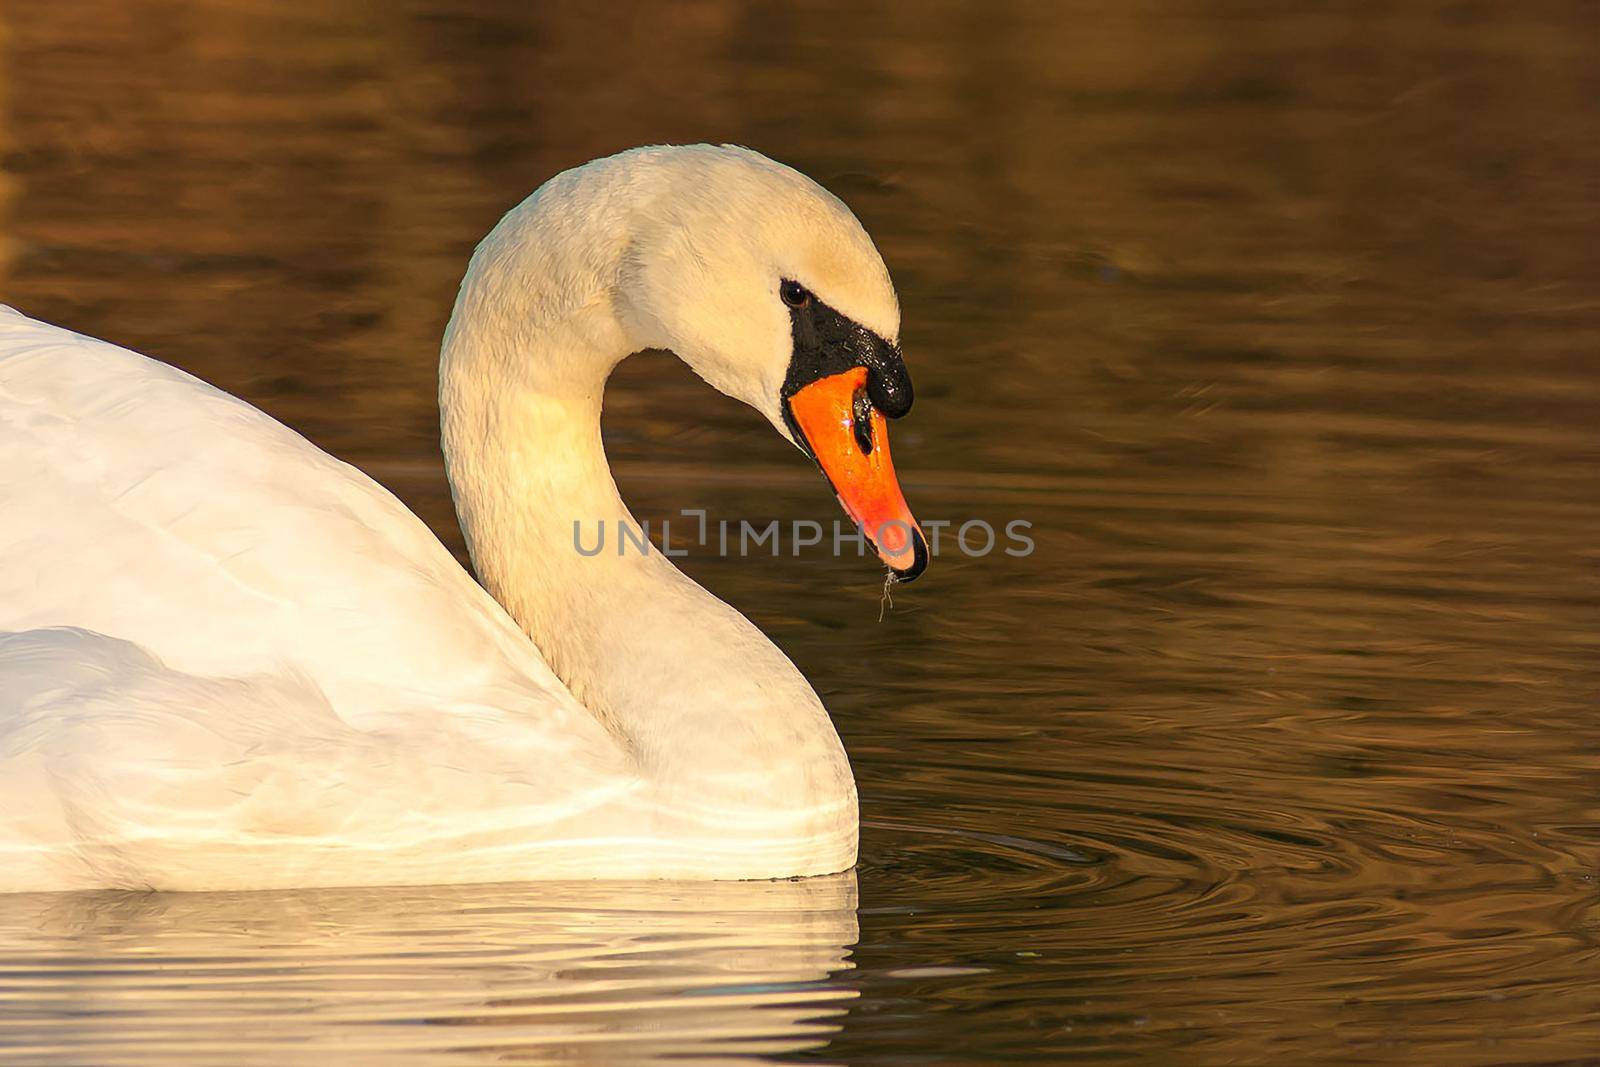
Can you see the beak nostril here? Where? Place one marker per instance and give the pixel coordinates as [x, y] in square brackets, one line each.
[861, 420]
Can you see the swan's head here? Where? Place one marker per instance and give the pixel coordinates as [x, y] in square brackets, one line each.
[767, 285]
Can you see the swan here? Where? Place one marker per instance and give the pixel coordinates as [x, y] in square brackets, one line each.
[229, 660]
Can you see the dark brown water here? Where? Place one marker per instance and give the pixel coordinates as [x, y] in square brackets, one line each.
[1283, 330]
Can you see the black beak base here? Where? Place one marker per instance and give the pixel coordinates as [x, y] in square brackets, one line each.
[827, 343]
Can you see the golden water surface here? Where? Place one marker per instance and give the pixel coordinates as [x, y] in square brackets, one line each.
[1282, 328]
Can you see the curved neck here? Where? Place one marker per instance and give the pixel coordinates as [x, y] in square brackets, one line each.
[690, 686]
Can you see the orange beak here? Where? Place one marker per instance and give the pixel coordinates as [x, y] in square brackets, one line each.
[849, 439]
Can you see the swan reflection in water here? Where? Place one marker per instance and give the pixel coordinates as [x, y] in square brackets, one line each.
[558, 972]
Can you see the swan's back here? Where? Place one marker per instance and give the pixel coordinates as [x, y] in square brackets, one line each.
[138, 500]
[228, 660]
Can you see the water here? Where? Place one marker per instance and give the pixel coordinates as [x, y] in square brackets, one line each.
[1281, 329]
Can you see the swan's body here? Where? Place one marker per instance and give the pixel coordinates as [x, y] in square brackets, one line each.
[229, 660]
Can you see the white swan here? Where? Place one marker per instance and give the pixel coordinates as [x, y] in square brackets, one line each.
[231, 661]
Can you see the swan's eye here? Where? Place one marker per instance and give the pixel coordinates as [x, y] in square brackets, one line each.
[794, 294]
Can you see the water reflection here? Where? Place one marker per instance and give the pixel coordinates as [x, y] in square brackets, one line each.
[558, 973]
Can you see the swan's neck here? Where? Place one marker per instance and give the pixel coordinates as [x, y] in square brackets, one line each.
[701, 698]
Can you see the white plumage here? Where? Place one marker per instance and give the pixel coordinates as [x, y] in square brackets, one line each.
[229, 660]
